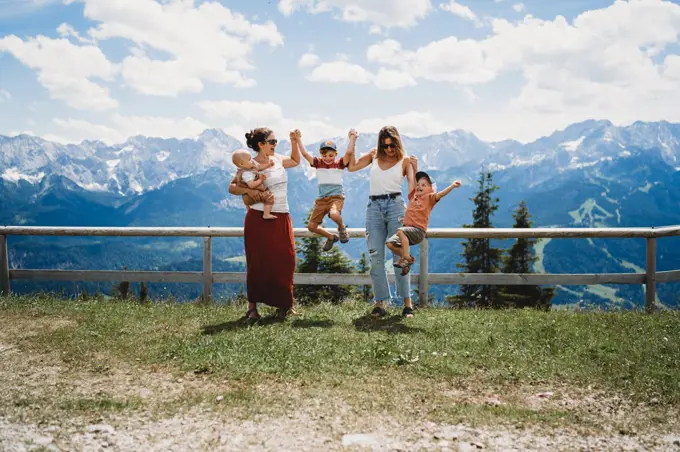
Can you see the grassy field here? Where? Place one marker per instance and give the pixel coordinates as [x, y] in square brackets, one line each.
[523, 368]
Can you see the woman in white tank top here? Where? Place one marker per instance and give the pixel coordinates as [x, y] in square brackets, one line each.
[385, 212]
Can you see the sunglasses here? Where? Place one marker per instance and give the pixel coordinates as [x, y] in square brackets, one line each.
[273, 141]
[387, 146]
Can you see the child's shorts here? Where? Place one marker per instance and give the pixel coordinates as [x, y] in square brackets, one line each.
[266, 197]
[323, 206]
[414, 235]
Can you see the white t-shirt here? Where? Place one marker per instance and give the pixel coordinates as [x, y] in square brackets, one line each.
[277, 183]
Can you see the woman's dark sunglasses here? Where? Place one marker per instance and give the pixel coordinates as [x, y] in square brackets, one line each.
[391, 145]
[273, 141]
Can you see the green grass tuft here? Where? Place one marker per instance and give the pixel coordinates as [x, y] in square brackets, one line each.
[631, 352]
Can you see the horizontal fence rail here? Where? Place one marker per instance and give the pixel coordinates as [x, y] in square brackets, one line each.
[433, 233]
[207, 277]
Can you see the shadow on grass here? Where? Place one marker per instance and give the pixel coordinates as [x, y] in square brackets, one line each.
[243, 323]
[391, 325]
[302, 323]
[240, 324]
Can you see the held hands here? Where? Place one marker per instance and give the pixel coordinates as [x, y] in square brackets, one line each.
[414, 162]
[292, 136]
[353, 134]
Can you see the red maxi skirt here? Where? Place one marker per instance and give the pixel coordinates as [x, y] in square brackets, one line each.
[270, 259]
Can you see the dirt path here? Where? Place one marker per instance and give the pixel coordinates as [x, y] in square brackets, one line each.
[46, 404]
[300, 431]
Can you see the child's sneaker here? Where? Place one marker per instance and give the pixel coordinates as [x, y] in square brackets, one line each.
[407, 312]
[343, 234]
[330, 242]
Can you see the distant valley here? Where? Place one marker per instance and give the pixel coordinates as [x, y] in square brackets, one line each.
[590, 174]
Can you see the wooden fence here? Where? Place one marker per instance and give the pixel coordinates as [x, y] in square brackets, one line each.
[423, 279]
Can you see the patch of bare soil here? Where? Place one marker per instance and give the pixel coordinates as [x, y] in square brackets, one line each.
[301, 430]
[46, 404]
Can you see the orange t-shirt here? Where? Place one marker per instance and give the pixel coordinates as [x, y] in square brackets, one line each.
[419, 208]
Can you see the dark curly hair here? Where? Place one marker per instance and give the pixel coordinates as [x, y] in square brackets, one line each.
[257, 136]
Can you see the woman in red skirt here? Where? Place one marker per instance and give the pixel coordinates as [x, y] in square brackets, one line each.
[269, 243]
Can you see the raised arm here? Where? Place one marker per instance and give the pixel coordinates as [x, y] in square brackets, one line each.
[349, 154]
[447, 190]
[294, 158]
[363, 162]
[296, 136]
[410, 175]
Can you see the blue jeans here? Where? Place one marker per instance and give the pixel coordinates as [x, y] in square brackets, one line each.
[383, 217]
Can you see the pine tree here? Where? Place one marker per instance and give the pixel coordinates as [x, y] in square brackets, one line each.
[480, 256]
[520, 260]
[314, 260]
[335, 261]
[364, 267]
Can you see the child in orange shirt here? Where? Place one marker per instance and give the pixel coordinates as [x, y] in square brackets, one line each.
[422, 198]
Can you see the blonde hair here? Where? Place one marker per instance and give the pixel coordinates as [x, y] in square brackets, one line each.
[240, 156]
[392, 133]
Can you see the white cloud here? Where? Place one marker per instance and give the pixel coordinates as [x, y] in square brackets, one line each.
[519, 7]
[459, 10]
[671, 67]
[67, 31]
[345, 72]
[239, 117]
[375, 30]
[392, 79]
[205, 43]
[413, 123]
[308, 59]
[123, 127]
[599, 65]
[65, 69]
[386, 14]
[388, 52]
[5, 96]
[340, 71]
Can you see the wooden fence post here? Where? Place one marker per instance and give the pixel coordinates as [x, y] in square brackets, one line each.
[423, 286]
[650, 278]
[4, 265]
[207, 269]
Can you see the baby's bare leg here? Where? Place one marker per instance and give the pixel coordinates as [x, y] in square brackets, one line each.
[268, 204]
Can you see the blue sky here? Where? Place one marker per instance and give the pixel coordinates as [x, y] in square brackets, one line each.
[102, 69]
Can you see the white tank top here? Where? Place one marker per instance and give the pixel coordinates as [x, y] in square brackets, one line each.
[388, 181]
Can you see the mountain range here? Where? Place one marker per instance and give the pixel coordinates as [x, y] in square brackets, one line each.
[592, 173]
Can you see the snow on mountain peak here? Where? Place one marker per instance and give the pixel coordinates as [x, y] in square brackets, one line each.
[14, 175]
[141, 164]
[573, 145]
